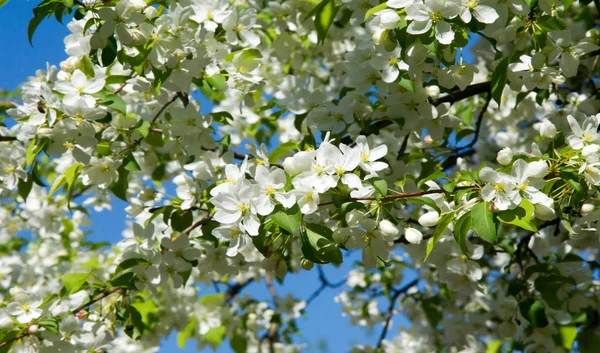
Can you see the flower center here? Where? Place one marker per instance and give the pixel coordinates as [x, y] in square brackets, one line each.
[472, 4]
[435, 17]
[499, 187]
[9, 170]
[243, 207]
[269, 190]
[308, 197]
[364, 157]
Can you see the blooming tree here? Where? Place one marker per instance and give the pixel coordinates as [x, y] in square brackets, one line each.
[452, 145]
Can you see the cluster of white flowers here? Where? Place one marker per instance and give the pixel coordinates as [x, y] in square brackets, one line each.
[335, 125]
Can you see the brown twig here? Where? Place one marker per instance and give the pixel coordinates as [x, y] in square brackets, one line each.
[400, 196]
[96, 299]
[118, 90]
[390, 312]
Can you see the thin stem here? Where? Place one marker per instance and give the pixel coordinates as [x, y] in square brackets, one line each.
[391, 308]
[400, 196]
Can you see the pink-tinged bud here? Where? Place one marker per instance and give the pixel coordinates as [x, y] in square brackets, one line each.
[492, 207]
[81, 314]
[33, 329]
[428, 139]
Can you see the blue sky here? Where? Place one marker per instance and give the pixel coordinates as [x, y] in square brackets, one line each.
[324, 321]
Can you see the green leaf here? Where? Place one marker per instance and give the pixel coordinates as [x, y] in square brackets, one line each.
[215, 335]
[119, 187]
[189, 330]
[50, 324]
[129, 263]
[588, 340]
[484, 222]
[321, 242]
[289, 219]
[550, 23]
[494, 346]
[433, 310]
[3, 2]
[109, 52]
[324, 18]
[520, 216]
[239, 342]
[423, 200]
[432, 176]
[34, 148]
[375, 9]
[550, 286]
[533, 310]
[71, 175]
[461, 229]
[74, 282]
[87, 67]
[135, 327]
[181, 220]
[126, 280]
[130, 163]
[567, 336]
[213, 301]
[58, 182]
[282, 150]
[445, 220]
[380, 186]
[25, 186]
[115, 102]
[499, 79]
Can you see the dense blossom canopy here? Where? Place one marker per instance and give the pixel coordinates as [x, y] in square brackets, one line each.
[452, 144]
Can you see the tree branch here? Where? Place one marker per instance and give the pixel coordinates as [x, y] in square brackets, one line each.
[451, 160]
[96, 299]
[325, 283]
[118, 90]
[400, 196]
[392, 307]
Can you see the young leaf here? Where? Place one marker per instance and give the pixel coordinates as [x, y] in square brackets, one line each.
[533, 310]
[324, 18]
[499, 79]
[114, 102]
[484, 222]
[281, 151]
[288, 219]
[445, 220]
[375, 9]
[461, 229]
[520, 216]
[74, 282]
[324, 248]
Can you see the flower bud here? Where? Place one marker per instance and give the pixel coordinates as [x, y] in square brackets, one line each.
[505, 156]
[380, 36]
[150, 12]
[70, 64]
[538, 60]
[413, 236]
[307, 264]
[388, 229]
[547, 129]
[543, 212]
[429, 219]
[388, 18]
[33, 329]
[433, 91]
[281, 268]
[428, 139]
[587, 208]
[6, 322]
